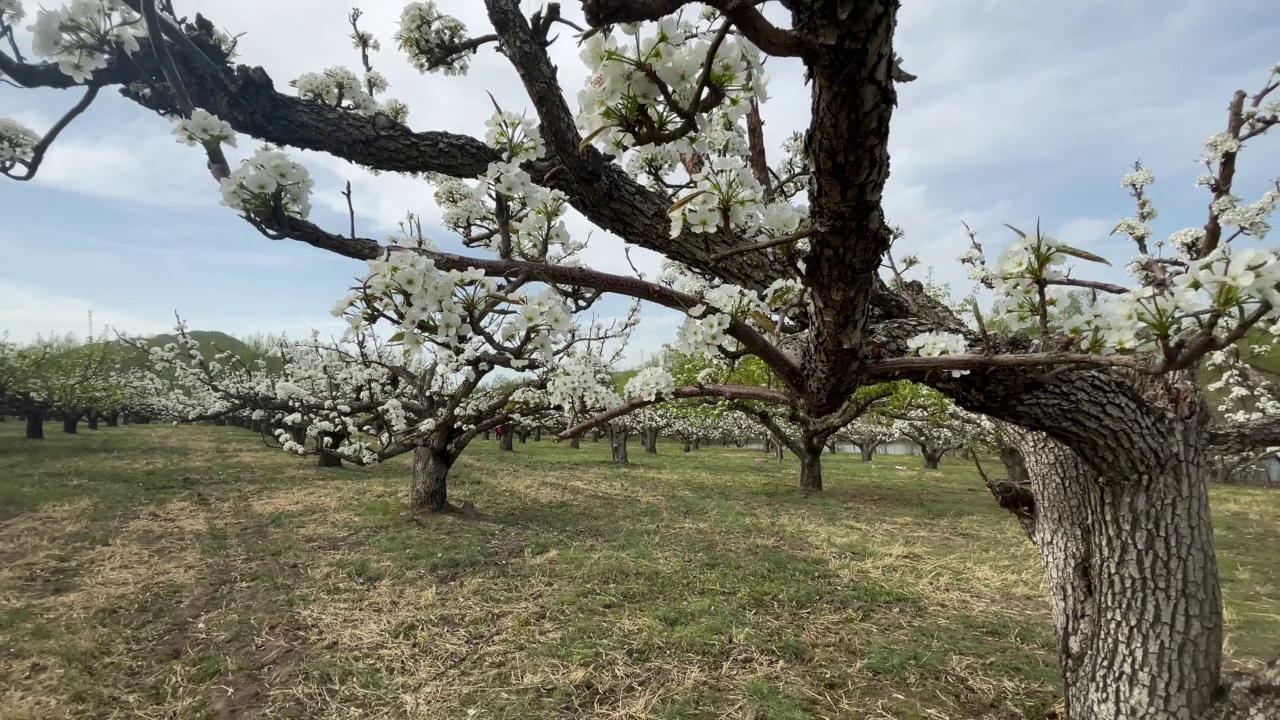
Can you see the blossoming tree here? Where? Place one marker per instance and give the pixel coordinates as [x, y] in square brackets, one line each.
[782, 261]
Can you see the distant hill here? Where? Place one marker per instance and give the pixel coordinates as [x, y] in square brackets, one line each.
[212, 342]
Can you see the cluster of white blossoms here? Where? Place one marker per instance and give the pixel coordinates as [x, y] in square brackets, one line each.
[430, 39]
[582, 381]
[937, 344]
[79, 35]
[341, 88]
[653, 81]
[11, 11]
[1249, 394]
[267, 181]
[203, 128]
[17, 142]
[650, 383]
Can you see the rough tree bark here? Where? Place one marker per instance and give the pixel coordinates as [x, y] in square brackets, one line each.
[1122, 524]
[618, 437]
[868, 451]
[810, 447]
[651, 441]
[428, 489]
[505, 440]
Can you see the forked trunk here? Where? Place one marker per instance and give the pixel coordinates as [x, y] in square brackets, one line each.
[35, 425]
[618, 444]
[651, 441]
[428, 489]
[868, 451]
[932, 456]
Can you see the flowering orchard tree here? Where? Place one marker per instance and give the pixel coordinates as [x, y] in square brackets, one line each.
[781, 260]
[1247, 391]
[20, 392]
[931, 421]
[363, 401]
[868, 433]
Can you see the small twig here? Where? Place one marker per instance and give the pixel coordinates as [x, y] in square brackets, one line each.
[351, 210]
[38, 152]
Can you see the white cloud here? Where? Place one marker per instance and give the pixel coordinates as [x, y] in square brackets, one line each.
[1022, 110]
[32, 310]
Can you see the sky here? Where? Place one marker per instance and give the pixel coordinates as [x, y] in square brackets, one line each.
[1023, 112]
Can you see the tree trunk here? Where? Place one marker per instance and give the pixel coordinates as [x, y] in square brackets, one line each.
[932, 456]
[618, 444]
[523, 435]
[428, 489]
[1133, 581]
[697, 443]
[69, 422]
[35, 425]
[651, 441]
[575, 442]
[486, 434]
[93, 419]
[688, 445]
[767, 446]
[811, 462]
[329, 440]
[831, 445]
[868, 451]
[505, 439]
[537, 434]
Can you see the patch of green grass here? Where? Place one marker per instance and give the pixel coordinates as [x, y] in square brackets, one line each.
[192, 572]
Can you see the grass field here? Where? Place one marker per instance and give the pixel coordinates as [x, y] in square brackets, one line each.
[160, 572]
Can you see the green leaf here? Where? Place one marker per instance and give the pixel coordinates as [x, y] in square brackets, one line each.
[398, 337]
[685, 201]
[1020, 233]
[594, 134]
[1082, 254]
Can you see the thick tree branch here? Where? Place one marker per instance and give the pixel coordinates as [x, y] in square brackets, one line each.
[1253, 435]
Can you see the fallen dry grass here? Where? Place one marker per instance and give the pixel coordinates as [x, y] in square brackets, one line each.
[214, 578]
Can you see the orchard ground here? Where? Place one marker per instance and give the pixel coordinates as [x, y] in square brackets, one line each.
[153, 571]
